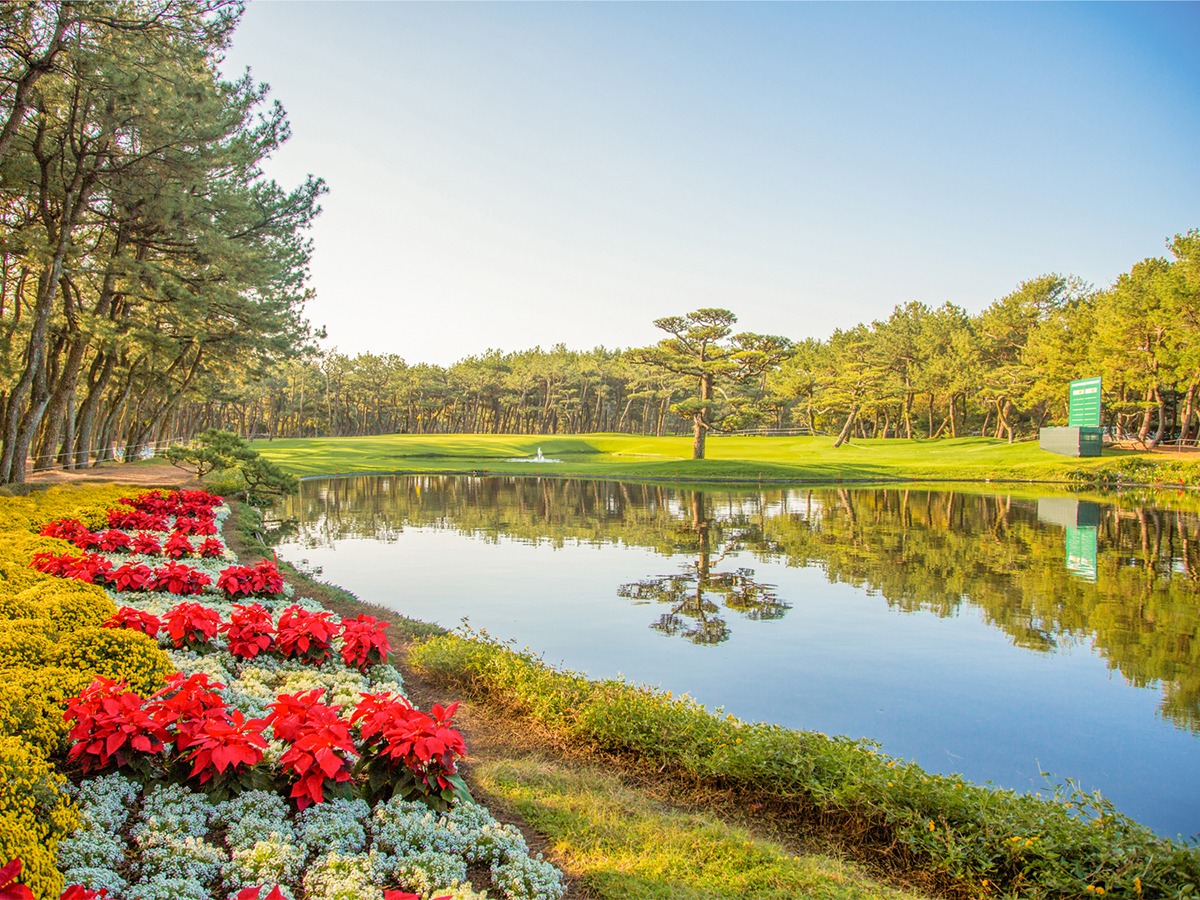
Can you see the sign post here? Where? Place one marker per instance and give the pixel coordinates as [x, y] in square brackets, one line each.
[1084, 408]
[1083, 435]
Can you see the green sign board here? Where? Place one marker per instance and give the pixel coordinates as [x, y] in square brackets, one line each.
[1085, 404]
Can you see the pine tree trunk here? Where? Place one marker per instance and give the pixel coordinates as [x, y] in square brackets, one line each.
[844, 437]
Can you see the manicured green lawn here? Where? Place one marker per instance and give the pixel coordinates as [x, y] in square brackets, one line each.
[812, 459]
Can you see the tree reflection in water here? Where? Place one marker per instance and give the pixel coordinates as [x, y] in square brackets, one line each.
[693, 615]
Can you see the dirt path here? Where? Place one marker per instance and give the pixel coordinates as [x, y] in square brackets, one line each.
[148, 474]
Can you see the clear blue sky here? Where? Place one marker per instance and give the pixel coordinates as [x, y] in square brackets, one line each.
[513, 174]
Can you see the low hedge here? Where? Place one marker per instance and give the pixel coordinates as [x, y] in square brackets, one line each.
[995, 842]
[34, 814]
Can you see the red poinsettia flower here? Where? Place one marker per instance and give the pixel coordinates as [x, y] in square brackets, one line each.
[135, 620]
[211, 548]
[137, 520]
[260, 580]
[9, 889]
[154, 501]
[290, 712]
[305, 635]
[364, 642]
[251, 630]
[178, 545]
[79, 892]
[64, 529]
[144, 542]
[192, 625]
[223, 741]
[251, 893]
[320, 744]
[112, 540]
[111, 725]
[177, 578]
[423, 743]
[374, 712]
[90, 568]
[132, 578]
[198, 525]
[51, 563]
[183, 702]
[199, 499]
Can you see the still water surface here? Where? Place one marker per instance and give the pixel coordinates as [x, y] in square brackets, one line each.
[993, 636]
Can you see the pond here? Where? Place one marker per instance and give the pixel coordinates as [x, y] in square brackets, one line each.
[1021, 640]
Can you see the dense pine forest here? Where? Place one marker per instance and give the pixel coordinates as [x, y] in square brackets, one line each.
[152, 283]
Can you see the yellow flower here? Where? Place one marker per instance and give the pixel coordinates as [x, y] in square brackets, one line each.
[889, 784]
[1137, 884]
[931, 828]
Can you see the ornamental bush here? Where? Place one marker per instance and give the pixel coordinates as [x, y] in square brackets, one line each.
[17, 549]
[89, 504]
[33, 702]
[117, 654]
[12, 607]
[70, 604]
[20, 841]
[272, 860]
[338, 876]
[35, 814]
[23, 643]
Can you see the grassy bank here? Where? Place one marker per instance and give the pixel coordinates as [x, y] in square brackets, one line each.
[741, 459]
[984, 841]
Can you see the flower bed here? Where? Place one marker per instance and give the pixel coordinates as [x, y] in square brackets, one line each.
[222, 738]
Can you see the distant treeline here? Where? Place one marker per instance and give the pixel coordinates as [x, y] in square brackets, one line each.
[921, 372]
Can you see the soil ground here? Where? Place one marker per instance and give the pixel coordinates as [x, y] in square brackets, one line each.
[148, 474]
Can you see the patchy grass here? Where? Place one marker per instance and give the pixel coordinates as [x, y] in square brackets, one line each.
[732, 459]
[618, 844]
